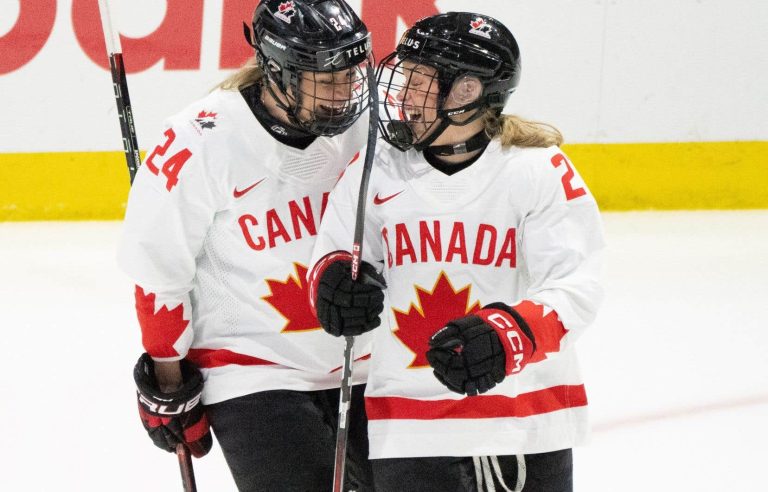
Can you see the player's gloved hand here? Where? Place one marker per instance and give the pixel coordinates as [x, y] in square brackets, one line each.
[176, 417]
[470, 355]
[346, 307]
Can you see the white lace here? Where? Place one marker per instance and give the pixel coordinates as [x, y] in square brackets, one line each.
[487, 467]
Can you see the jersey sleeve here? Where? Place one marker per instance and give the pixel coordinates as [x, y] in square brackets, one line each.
[170, 208]
[561, 246]
[337, 227]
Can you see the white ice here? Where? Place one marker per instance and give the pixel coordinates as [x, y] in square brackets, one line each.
[676, 364]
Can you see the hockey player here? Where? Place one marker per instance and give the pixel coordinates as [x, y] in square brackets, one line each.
[490, 245]
[218, 234]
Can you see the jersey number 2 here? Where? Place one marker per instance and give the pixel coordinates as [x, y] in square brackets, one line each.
[172, 166]
[570, 191]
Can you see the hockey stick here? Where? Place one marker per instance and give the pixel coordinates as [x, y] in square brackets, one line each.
[131, 146]
[120, 85]
[185, 466]
[357, 255]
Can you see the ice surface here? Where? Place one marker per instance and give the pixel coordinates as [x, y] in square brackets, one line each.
[676, 365]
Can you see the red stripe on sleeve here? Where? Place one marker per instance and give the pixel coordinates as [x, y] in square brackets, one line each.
[547, 329]
[477, 407]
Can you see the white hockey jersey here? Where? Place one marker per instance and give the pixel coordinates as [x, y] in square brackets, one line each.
[517, 226]
[218, 234]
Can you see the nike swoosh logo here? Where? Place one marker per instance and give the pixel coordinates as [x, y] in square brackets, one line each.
[239, 193]
[377, 200]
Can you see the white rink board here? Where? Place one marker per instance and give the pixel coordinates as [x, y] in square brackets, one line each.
[601, 70]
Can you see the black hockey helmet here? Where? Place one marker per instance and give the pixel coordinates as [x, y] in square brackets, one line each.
[295, 36]
[460, 46]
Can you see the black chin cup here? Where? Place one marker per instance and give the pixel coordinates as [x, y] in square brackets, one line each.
[399, 134]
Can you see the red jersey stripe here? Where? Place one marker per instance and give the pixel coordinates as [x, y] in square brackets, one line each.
[209, 358]
[364, 357]
[477, 407]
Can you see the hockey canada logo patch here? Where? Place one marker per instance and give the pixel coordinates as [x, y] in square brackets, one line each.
[285, 12]
[206, 120]
[480, 28]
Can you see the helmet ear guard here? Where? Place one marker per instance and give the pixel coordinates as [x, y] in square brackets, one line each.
[466, 90]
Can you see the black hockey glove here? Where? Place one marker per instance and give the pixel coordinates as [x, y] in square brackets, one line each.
[173, 418]
[346, 307]
[470, 355]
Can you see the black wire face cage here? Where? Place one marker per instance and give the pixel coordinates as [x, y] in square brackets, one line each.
[412, 100]
[422, 100]
[328, 103]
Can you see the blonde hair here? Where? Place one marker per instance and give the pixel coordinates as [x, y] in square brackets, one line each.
[250, 73]
[514, 130]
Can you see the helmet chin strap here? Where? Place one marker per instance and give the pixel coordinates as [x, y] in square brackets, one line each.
[290, 112]
[441, 127]
[445, 122]
[477, 141]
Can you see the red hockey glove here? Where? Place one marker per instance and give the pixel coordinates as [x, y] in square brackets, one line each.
[347, 307]
[470, 355]
[176, 417]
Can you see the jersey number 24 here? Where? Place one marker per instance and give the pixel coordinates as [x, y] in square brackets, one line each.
[172, 165]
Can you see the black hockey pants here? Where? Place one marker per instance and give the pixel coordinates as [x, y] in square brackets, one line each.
[545, 472]
[284, 441]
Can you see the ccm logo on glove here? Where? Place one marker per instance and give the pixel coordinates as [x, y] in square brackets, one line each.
[503, 324]
[472, 354]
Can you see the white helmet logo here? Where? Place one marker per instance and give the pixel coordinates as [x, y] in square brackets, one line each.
[480, 27]
[285, 11]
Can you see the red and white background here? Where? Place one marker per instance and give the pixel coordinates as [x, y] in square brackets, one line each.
[601, 70]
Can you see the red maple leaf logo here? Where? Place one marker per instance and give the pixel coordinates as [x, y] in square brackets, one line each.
[477, 23]
[204, 114]
[435, 308]
[291, 299]
[285, 6]
[159, 329]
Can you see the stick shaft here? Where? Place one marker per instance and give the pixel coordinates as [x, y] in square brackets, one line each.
[357, 255]
[131, 146]
[186, 469]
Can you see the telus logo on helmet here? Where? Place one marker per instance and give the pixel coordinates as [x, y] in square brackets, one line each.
[411, 43]
[361, 49]
[480, 27]
[285, 12]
